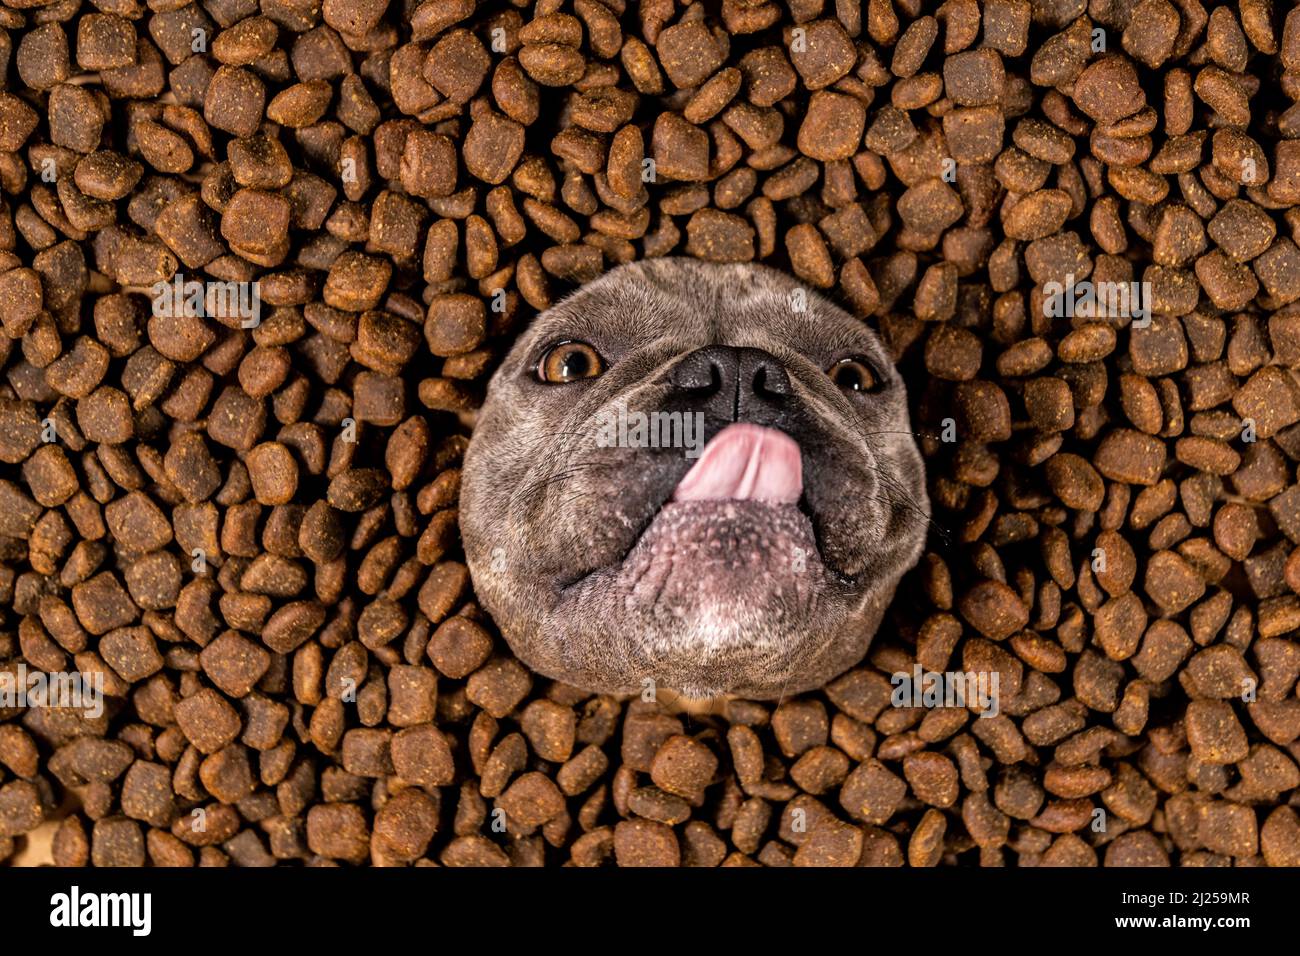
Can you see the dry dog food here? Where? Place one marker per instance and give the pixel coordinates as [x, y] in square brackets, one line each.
[257, 260]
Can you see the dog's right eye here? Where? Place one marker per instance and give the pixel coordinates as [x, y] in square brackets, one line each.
[569, 362]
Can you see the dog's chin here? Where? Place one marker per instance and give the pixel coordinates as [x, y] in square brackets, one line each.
[715, 589]
[710, 562]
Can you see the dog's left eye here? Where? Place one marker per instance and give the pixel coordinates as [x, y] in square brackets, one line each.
[853, 375]
[569, 362]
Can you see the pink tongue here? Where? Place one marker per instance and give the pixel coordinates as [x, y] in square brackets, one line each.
[745, 462]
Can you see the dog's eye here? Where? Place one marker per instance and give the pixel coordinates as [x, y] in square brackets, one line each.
[569, 362]
[853, 375]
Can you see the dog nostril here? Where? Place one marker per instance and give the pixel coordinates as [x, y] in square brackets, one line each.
[701, 371]
[768, 377]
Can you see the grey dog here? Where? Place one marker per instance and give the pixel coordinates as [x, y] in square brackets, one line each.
[748, 541]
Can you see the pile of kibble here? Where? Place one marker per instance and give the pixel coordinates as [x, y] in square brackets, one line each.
[248, 532]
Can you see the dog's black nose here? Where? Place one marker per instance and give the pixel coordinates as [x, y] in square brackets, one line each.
[733, 384]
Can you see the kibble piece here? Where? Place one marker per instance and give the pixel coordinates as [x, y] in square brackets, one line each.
[117, 842]
[872, 793]
[102, 604]
[132, 653]
[356, 281]
[105, 42]
[1075, 482]
[405, 825]
[22, 299]
[234, 663]
[683, 766]
[234, 101]
[825, 54]
[646, 843]
[1215, 734]
[492, 147]
[137, 522]
[498, 686]
[550, 729]
[832, 126]
[208, 720]
[1129, 456]
[994, 610]
[974, 77]
[20, 808]
[17, 122]
[273, 472]
[50, 476]
[932, 777]
[457, 65]
[689, 53]
[1108, 89]
[455, 324]
[338, 831]
[719, 236]
[1279, 838]
[531, 801]
[257, 222]
[458, 647]
[680, 149]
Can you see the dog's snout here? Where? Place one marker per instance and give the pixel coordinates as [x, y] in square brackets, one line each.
[732, 383]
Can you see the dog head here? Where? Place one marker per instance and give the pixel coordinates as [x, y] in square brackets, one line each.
[697, 475]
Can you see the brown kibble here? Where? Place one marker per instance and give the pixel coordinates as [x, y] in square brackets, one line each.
[17, 122]
[405, 825]
[645, 843]
[531, 801]
[683, 766]
[492, 147]
[1131, 457]
[105, 42]
[872, 793]
[234, 101]
[1108, 89]
[974, 77]
[338, 831]
[994, 610]
[689, 53]
[429, 163]
[498, 686]
[719, 237]
[257, 222]
[208, 721]
[832, 126]
[1075, 482]
[932, 777]
[680, 149]
[825, 55]
[455, 324]
[1215, 734]
[273, 472]
[22, 299]
[550, 729]
[356, 281]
